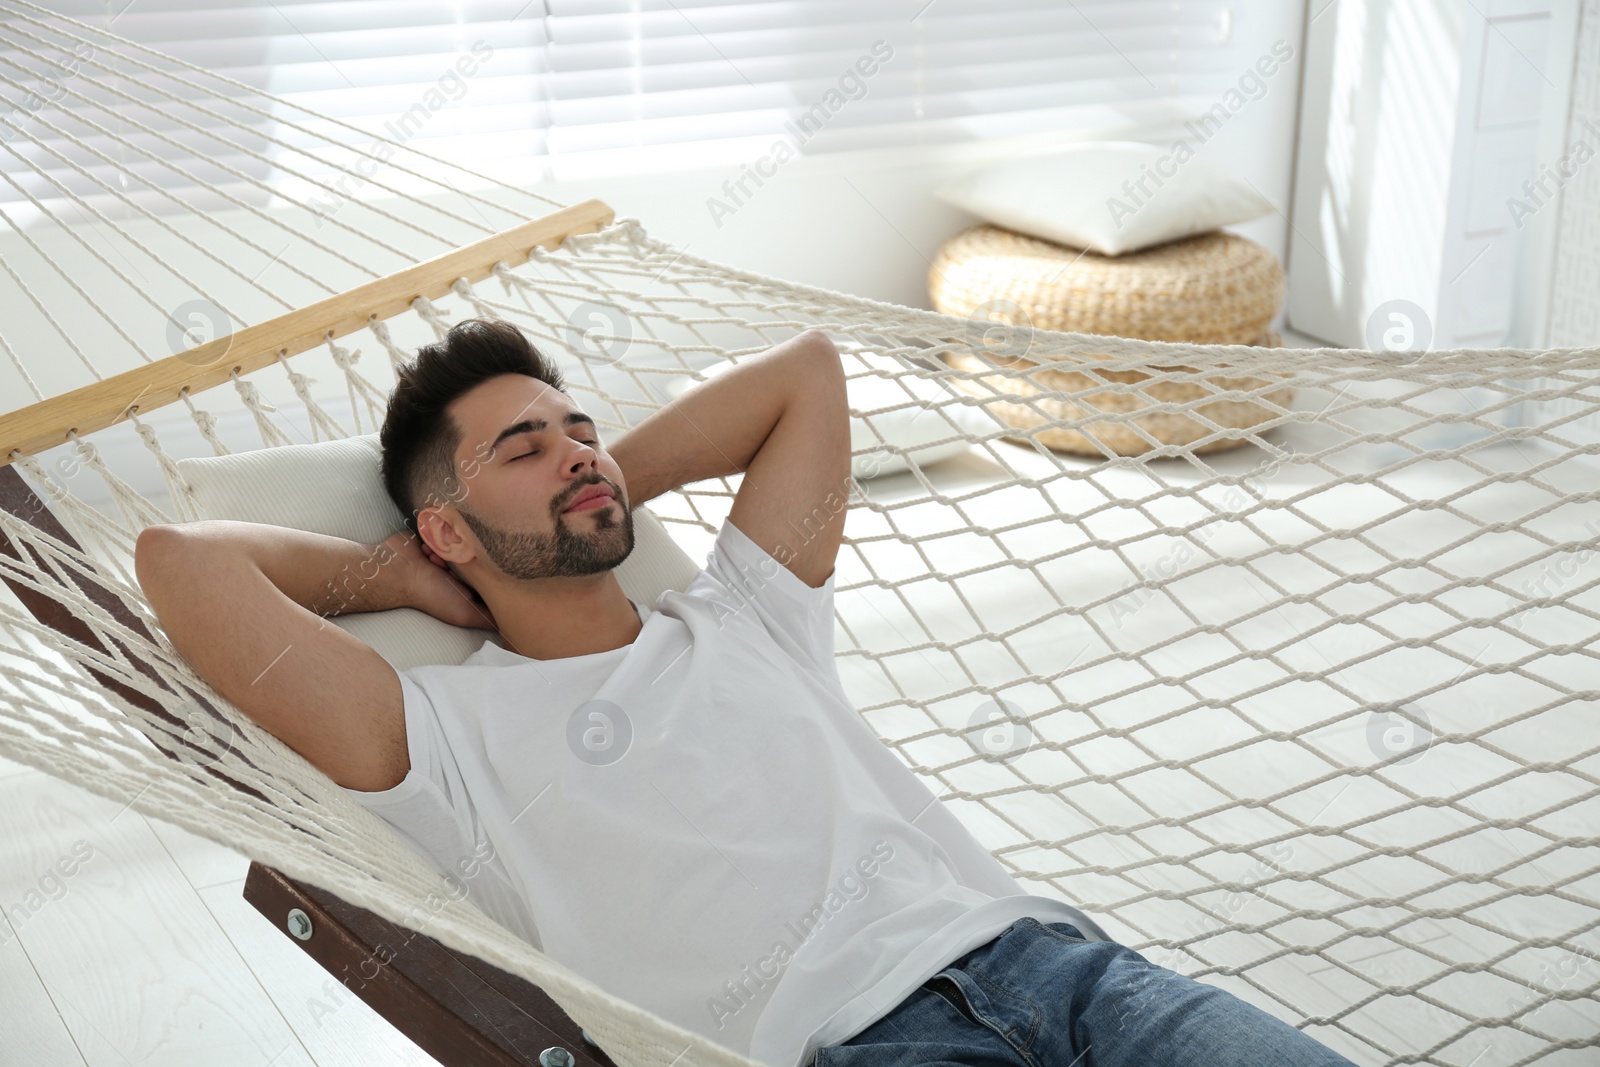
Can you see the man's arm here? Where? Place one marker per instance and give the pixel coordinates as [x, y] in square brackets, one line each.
[243, 603]
[780, 417]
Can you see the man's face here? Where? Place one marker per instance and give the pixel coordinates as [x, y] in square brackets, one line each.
[526, 456]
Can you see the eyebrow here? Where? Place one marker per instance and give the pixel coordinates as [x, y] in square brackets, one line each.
[538, 426]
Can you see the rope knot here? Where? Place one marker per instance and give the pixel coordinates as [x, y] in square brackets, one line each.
[341, 355]
[430, 314]
[465, 291]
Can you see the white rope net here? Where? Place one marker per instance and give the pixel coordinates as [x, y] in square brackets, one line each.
[1311, 718]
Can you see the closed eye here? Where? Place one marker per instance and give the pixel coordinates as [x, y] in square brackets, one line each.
[535, 452]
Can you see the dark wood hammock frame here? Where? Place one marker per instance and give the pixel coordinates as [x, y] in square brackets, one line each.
[460, 1010]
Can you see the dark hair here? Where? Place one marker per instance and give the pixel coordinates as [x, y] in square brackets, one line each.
[419, 437]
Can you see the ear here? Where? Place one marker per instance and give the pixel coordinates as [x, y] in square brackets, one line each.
[443, 530]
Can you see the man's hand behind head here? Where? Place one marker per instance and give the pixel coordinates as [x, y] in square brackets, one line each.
[431, 587]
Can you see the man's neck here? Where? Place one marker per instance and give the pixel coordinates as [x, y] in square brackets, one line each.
[558, 618]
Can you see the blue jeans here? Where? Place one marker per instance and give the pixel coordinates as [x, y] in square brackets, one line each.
[1043, 996]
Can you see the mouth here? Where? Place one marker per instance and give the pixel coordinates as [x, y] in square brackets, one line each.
[591, 499]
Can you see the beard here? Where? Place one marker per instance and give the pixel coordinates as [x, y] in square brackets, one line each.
[566, 553]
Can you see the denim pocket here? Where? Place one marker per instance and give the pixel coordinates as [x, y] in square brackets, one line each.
[947, 988]
[1066, 930]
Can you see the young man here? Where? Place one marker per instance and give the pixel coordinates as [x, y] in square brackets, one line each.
[675, 799]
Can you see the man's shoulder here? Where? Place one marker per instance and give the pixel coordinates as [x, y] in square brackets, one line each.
[746, 584]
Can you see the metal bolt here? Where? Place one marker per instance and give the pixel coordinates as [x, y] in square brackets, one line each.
[587, 1040]
[299, 924]
[556, 1057]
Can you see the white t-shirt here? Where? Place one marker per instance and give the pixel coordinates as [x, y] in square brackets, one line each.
[700, 822]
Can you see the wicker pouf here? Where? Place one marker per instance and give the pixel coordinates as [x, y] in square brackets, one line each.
[1213, 288]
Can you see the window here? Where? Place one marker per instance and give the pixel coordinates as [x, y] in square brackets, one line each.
[526, 90]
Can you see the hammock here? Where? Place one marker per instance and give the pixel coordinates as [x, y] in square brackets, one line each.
[1310, 717]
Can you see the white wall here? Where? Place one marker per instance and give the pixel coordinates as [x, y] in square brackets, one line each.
[1422, 119]
[1574, 287]
[867, 223]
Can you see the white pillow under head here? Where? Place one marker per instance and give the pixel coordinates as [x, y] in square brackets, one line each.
[336, 488]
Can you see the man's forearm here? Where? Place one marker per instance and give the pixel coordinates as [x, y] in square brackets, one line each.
[716, 427]
[325, 575]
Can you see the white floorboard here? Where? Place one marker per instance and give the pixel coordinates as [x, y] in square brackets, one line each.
[203, 862]
[8, 768]
[147, 953]
[335, 1026]
[34, 1031]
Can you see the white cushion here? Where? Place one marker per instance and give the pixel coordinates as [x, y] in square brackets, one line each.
[910, 427]
[336, 488]
[1089, 196]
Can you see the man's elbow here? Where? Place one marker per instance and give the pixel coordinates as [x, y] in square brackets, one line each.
[161, 551]
[820, 356]
[823, 383]
[817, 343]
[153, 551]
[151, 541]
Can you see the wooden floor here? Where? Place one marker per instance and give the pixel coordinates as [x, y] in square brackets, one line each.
[145, 953]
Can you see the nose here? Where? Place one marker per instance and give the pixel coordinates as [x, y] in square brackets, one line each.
[583, 457]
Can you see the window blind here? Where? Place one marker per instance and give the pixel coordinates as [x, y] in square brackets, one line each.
[527, 90]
